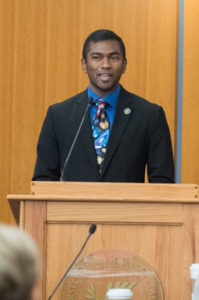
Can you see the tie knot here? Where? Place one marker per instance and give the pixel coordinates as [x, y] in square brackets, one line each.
[101, 104]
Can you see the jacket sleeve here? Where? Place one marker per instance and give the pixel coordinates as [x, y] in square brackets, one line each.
[160, 164]
[48, 167]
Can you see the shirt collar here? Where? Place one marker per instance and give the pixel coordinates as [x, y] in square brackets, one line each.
[111, 98]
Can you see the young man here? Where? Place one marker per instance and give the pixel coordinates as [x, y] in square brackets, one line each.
[121, 133]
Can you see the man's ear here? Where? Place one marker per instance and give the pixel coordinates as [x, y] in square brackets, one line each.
[124, 65]
[84, 65]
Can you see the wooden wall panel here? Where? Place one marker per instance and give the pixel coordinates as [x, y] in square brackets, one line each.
[190, 131]
[6, 92]
[40, 64]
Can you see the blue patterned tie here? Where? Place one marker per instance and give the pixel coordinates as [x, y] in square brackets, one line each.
[101, 131]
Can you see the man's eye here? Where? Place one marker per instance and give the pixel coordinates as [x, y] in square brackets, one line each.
[115, 57]
[96, 57]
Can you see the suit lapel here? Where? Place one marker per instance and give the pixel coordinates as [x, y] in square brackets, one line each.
[123, 113]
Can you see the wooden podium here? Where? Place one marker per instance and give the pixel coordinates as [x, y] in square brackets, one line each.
[159, 222]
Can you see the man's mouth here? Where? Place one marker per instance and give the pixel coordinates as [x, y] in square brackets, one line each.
[105, 76]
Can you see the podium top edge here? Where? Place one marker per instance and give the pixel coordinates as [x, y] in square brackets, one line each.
[105, 191]
[33, 183]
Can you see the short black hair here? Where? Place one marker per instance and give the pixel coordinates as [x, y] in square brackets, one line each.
[102, 35]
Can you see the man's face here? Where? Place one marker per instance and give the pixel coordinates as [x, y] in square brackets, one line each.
[104, 65]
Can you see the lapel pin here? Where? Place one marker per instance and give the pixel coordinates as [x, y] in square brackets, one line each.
[127, 111]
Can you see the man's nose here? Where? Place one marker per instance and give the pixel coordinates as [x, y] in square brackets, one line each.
[105, 63]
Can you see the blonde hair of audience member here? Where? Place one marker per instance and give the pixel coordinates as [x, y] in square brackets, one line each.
[19, 264]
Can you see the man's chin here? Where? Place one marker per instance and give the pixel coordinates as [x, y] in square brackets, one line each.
[106, 87]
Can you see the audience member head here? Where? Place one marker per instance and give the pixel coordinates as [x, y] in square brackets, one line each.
[19, 264]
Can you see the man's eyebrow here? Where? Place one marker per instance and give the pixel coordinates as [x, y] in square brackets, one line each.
[115, 52]
[95, 52]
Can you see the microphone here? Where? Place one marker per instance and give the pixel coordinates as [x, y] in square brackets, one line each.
[89, 105]
[91, 231]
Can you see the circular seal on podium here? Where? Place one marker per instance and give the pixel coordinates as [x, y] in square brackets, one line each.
[91, 277]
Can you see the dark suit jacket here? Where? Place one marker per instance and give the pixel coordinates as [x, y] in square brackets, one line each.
[138, 138]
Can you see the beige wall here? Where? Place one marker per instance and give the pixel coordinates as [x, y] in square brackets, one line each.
[40, 52]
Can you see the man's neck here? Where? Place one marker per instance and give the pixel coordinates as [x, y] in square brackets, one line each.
[102, 93]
